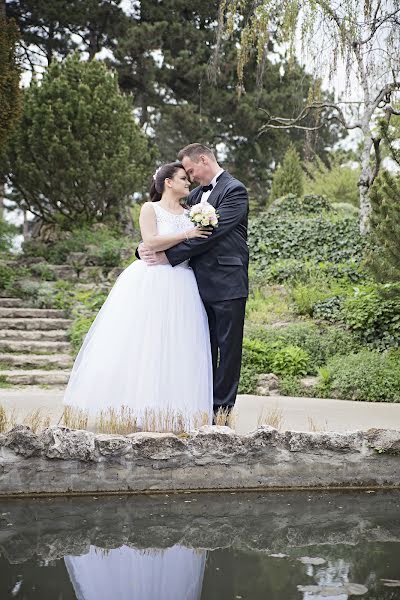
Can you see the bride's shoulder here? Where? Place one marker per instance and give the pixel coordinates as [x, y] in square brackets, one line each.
[148, 206]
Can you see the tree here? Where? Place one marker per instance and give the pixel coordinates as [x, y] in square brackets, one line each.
[337, 179]
[383, 258]
[365, 36]
[164, 62]
[77, 154]
[10, 96]
[55, 28]
[288, 178]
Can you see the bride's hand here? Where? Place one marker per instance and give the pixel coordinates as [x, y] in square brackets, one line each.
[198, 232]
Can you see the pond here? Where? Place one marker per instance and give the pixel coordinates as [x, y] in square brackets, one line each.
[257, 546]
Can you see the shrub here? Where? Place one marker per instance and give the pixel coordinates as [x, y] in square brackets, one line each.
[318, 290]
[7, 233]
[288, 177]
[366, 375]
[316, 238]
[290, 360]
[6, 276]
[373, 313]
[79, 329]
[289, 385]
[256, 359]
[320, 342]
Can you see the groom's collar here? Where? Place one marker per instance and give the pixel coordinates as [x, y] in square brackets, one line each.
[216, 177]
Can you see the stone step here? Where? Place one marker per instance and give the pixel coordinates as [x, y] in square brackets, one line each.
[32, 361]
[11, 302]
[38, 335]
[31, 324]
[33, 346]
[34, 377]
[31, 313]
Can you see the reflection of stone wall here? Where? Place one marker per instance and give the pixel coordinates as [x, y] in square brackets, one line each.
[272, 522]
[60, 460]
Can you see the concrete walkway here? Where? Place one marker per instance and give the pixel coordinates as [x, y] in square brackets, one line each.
[283, 412]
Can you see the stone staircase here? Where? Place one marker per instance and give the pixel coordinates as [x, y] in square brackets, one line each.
[34, 347]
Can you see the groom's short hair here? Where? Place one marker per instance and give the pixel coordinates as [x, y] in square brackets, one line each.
[194, 151]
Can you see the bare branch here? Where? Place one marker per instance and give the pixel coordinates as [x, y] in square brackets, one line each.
[296, 122]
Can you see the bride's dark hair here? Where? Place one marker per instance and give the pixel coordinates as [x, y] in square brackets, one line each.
[164, 172]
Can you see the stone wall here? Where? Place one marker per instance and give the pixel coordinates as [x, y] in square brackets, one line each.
[60, 460]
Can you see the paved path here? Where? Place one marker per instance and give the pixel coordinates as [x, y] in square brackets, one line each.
[302, 414]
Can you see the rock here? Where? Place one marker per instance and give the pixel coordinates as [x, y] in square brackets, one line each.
[212, 442]
[309, 560]
[301, 441]
[384, 440]
[64, 443]
[112, 445]
[22, 440]
[115, 273]
[267, 384]
[157, 446]
[329, 591]
[309, 382]
[261, 437]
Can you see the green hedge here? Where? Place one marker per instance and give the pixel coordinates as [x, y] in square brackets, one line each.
[367, 375]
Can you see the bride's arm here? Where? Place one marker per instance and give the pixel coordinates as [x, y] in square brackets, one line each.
[157, 243]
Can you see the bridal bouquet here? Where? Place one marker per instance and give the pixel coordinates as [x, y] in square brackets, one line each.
[204, 215]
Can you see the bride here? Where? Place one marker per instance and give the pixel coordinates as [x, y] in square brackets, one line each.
[148, 349]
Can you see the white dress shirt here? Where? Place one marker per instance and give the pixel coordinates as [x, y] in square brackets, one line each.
[206, 195]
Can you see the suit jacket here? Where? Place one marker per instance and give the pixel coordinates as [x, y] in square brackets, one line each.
[221, 261]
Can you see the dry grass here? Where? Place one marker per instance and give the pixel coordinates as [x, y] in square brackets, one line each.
[270, 416]
[36, 420]
[313, 426]
[74, 418]
[222, 417]
[172, 421]
[8, 419]
[122, 422]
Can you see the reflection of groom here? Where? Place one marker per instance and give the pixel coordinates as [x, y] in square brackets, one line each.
[220, 264]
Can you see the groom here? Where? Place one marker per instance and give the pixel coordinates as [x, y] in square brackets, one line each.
[220, 264]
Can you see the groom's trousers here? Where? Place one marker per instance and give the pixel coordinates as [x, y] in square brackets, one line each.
[226, 320]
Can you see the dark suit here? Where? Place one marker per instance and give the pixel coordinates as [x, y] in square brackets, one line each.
[220, 264]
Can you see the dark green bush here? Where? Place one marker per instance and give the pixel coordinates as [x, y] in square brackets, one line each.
[290, 360]
[329, 309]
[319, 239]
[367, 375]
[256, 359]
[373, 313]
[7, 234]
[105, 243]
[6, 276]
[320, 342]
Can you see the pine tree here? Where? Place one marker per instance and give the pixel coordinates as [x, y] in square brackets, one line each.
[288, 178]
[383, 258]
[77, 153]
[10, 96]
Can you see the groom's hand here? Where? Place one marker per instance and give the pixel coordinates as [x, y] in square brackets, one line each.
[150, 257]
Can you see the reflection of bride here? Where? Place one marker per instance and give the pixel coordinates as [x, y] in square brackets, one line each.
[130, 574]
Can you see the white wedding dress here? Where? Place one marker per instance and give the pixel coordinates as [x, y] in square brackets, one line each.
[148, 348]
[125, 573]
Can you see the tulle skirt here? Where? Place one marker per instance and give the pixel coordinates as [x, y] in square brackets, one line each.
[147, 350]
[130, 574]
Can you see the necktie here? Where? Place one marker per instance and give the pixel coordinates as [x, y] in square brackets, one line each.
[207, 188]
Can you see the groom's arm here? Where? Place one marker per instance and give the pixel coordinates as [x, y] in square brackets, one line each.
[149, 256]
[232, 209]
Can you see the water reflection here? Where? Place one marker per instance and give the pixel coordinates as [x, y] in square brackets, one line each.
[293, 546]
[129, 574]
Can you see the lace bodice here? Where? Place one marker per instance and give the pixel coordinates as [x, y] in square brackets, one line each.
[168, 223]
